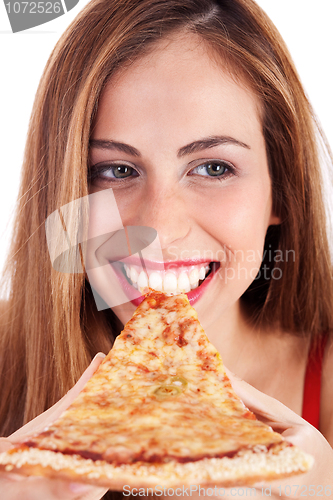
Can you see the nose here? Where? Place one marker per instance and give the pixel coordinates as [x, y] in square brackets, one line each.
[165, 208]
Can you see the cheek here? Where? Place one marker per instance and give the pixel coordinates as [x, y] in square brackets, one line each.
[237, 218]
[103, 222]
[104, 215]
[239, 221]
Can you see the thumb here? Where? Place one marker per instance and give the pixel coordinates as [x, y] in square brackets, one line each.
[86, 375]
[5, 445]
[267, 409]
[281, 418]
[38, 423]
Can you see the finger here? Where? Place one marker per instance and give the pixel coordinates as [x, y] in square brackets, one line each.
[292, 427]
[266, 408]
[38, 488]
[56, 410]
[93, 493]
[5, 444]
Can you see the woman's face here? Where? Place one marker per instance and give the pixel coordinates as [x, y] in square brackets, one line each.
[181, 146]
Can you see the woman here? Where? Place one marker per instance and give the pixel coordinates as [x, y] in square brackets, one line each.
[170, 94]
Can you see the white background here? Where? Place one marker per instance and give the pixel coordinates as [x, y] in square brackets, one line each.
[305, 25]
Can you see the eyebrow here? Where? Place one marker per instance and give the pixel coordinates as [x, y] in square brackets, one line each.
[113, 145]
[209, 142]
[193, 147]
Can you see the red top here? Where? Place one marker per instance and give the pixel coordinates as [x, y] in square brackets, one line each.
[312, 383]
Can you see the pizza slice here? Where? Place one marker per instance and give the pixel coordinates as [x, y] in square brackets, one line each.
[160, 410]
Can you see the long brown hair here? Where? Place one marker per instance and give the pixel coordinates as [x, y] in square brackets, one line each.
[50, 326]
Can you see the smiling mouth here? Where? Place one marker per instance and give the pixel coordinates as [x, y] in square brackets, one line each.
[181, 279]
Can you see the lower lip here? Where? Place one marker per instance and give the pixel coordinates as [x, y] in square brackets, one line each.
[193, 296]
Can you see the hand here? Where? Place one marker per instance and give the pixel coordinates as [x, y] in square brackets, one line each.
[297, 431]
[15, 486]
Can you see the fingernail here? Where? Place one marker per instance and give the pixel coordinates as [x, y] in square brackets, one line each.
[99, 355]
[79, 487]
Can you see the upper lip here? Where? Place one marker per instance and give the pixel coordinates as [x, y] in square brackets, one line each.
[134, 260]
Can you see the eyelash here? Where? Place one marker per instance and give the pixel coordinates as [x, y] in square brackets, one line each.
[96, 171]
[229, 169]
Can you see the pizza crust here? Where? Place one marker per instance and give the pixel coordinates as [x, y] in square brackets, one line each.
[246, 467]
[155, 413]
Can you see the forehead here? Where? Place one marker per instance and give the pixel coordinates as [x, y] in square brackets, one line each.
[179, 85]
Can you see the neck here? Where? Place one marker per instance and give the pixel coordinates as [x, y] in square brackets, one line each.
[230, 330]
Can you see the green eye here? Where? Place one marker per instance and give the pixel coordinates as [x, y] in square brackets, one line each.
[122, 171]
[166, 391]
[215, 169]
[111, 172]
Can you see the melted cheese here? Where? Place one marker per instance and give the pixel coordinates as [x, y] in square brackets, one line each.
[161, 394]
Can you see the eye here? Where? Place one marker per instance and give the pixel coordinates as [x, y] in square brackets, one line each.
[213, 168]
[111, 172]
[121, 171]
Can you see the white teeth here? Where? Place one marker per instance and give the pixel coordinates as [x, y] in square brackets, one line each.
[194, 278]
[184, 282]
[142, 280]
[202, 273]
[134, 275]
[181, 279]
[155, 281]
[170, 282]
